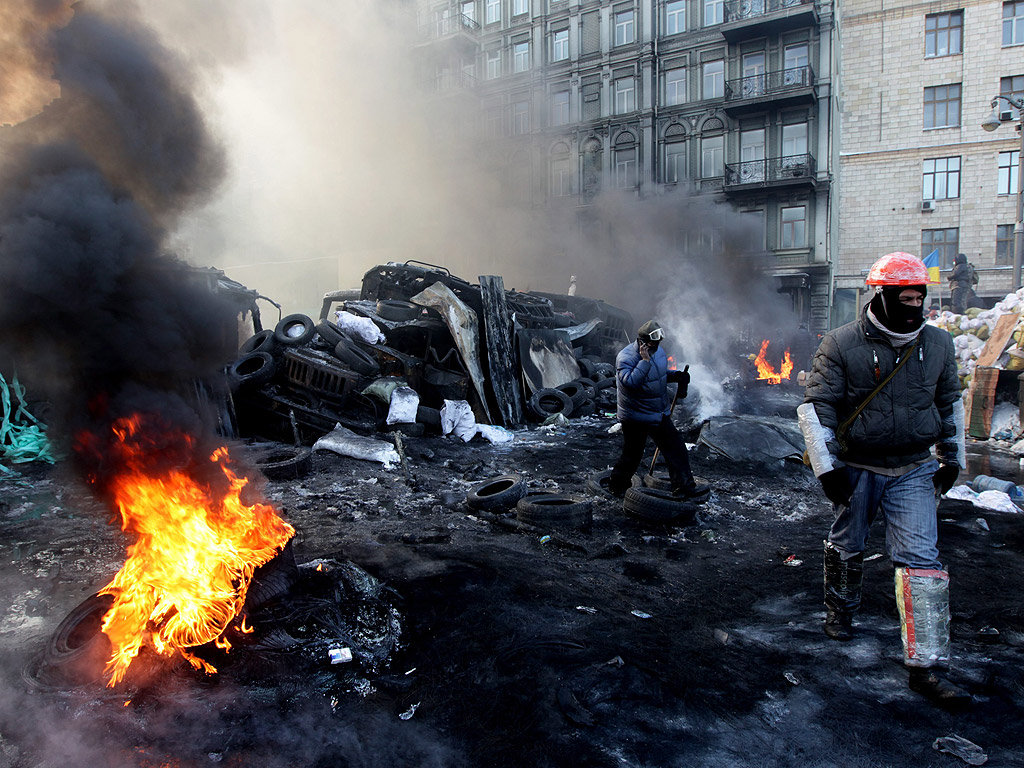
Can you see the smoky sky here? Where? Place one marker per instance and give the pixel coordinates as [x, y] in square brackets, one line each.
[98, 316]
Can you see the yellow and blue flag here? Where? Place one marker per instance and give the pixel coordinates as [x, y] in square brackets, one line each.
[931, 263]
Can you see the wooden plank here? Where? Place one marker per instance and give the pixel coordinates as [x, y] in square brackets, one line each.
[501, 361]
[997, 339]
[980, 401]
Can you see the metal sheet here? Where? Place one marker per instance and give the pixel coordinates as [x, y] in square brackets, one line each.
[547, 358]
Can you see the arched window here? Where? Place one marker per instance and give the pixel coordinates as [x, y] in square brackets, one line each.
[674, 154]
[561, 171]
[712, 149]
[625, 161]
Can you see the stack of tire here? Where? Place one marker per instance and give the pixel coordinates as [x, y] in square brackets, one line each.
[594, 389]
[650, 500]
[541, 510]
[260, 356]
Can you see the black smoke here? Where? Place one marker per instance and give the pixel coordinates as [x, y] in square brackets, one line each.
[94, 314]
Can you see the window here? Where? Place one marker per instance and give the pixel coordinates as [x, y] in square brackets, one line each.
[714, 12]
[1009, 166]
[675, 86]
[561, 171]
[591, 101]
[753, 223]
[624, 33]
[943, 34]
[493, 64]
[521, 56]
[560, 108]
[1013, 23]
[675, 162]
[714, 79]
[945, 241]
[492, 11]
[941, 178]
[1004, 244]
[1011, 86]
[469, 12]
[560, 45]
[520, 6]
[495, 123]
[712, 156]
[520, 118]
[754, 82]
[752, 145]
[625, 95]
[794, 142]
[942, 106]
[794, 227]
[625, 168]
[795, 56]
[675, 17]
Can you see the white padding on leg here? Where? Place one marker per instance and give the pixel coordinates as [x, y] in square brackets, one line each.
[923, 599]
[816, 439]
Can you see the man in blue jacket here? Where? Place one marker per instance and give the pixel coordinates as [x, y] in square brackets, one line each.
[642, 378]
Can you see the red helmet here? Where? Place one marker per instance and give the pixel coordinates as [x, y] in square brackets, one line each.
[898, 269]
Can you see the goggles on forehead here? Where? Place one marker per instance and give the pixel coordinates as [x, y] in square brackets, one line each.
[655, 335]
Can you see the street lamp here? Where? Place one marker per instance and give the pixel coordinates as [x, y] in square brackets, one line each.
[991, 123]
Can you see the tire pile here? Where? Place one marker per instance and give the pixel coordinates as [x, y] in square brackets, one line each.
[594, 390]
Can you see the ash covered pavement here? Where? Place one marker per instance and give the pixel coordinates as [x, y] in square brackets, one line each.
[624, 644]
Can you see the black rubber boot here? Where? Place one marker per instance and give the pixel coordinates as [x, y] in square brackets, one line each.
[692, 491]
[929, 683]
[843, 580]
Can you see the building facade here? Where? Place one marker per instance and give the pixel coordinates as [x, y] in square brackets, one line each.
[917, 171]
[730, 99]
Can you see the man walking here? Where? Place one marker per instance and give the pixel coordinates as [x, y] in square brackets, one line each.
[644, 410]
[882, 391]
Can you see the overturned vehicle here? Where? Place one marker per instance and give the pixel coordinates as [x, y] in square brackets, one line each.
[417, 338]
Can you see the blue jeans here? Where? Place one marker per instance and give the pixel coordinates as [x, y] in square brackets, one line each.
[908, 506]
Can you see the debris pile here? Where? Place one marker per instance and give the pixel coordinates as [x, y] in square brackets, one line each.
[972, 330]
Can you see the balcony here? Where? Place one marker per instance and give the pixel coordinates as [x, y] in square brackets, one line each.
[453, 28]
[773, 172]
[783, 88]
[448, 82]
[745, 19]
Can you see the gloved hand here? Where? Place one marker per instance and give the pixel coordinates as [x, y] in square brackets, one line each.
[945, 477]
[682, 378]
[836, 485]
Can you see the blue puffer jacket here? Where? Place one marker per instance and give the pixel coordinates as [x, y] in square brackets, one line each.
[642, 385]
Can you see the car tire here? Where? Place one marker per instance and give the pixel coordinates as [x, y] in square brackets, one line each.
[78, 650]
[355, 358]
[251, 370]
[554, 510]
[597, 483]
[260, 342]
[330, 333]
[499, 493]
[588, 369]
[398, 311]
[656, 506]
[576, 391]
[549, 402]
[428, 416]
[659, 481]
[294, 330]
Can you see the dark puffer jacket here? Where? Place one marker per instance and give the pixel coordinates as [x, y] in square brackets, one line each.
[642, 385]
[910, 414]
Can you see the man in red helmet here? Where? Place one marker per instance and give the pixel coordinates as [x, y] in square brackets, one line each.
[869, 437]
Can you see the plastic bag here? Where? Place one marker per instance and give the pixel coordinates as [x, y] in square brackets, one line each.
[404, 402]
[457, 417]
[345, 442]
[383, 388]
[494, 434]
[359, 327]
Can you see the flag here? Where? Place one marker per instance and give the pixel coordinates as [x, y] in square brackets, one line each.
[931, 263]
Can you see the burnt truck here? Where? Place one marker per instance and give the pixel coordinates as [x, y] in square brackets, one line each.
[514, 356]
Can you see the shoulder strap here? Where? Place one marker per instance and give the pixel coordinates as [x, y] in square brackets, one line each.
[845, 426]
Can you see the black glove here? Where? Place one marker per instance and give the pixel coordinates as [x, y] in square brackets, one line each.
[945, 477]
[682, 378]
[836, 485]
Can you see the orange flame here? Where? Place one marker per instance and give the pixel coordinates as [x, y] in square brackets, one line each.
[187, 573]
[766, 370]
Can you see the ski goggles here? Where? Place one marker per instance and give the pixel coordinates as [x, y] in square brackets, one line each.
[656, 335]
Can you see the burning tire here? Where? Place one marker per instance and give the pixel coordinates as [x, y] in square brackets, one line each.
[355, 358]
[261, 342]
[498, 493]
[252, 370]
[330, 333]
[656, 506]
[548, 402]
[554, 510]
[285, 462]
[78, 650]
[294, 330]
[397, 311]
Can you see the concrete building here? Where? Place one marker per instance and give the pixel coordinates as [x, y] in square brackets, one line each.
[724, 98]
[917, 172]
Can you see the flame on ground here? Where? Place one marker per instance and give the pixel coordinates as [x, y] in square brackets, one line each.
[766, 370]
[189, 569]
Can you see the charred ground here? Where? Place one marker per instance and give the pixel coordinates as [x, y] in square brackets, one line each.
[622, 645]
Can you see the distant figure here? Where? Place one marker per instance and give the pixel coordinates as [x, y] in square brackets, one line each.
[572, 285]
[962, 280]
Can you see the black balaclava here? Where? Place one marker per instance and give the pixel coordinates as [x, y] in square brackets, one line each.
[960, 259]
[894, 314]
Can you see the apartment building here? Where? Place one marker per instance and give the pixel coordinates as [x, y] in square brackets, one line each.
[917, 171]
[730, 99]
